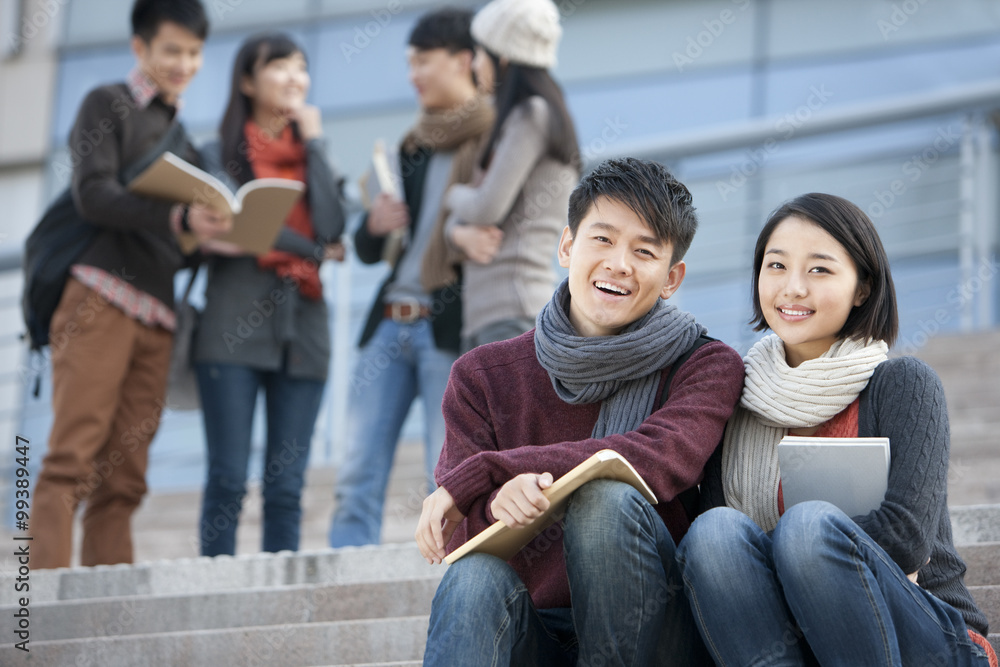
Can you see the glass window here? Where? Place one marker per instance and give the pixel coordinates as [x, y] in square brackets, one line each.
[361, 63]
[97, 22]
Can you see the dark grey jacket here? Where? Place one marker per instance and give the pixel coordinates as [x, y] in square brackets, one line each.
[254, 318]
[446, 319]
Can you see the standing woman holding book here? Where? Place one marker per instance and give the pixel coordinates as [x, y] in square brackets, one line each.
[507, 222]
[265, 324]
[808, 584]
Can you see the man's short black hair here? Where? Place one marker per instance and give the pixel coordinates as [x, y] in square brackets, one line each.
[646, 187]
[446, 28]
[148, 15]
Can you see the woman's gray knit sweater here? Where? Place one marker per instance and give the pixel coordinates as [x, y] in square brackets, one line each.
[904, 401]
[525, 193]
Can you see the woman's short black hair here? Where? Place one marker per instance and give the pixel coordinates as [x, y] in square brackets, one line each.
[148, 15]
[875, 319]
[255, 52]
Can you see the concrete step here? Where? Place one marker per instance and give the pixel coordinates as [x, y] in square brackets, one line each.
[227, 573]
[983, 563]
[290, 645]
[975, 524]
[364, 605]
[976, 441]
[973, 479]
[141, 615]
[988, 600]
[966, 349]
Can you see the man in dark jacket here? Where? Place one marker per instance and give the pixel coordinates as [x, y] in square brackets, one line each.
[412, 334]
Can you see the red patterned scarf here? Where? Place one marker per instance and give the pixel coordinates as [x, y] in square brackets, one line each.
[284, 156]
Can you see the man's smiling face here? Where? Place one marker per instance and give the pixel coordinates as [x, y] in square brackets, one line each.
[618, 268]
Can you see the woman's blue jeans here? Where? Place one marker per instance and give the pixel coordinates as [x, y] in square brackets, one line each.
[818, 590]
[228, 398]
[628, 607]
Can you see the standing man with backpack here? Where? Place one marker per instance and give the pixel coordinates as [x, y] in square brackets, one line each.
[111, 333]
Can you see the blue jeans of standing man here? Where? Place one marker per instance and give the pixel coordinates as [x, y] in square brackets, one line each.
[228, 398]
[818, 590]
[628, 606]
[399, 363]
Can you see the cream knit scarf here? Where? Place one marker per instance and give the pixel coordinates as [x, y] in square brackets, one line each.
[777, 397]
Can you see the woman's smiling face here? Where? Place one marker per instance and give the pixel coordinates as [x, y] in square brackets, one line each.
[807, 286]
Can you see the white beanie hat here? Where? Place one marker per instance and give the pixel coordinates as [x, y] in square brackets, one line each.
[525, 32]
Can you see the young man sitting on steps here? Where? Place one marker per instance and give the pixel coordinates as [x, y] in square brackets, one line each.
[523, 412]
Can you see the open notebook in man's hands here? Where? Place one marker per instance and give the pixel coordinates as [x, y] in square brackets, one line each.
[259, 208]
[504, 542]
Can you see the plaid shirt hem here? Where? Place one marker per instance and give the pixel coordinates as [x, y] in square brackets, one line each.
[135, 303]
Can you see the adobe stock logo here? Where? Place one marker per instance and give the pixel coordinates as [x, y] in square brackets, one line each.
[699, 43]
[31, 25]
[363, 35]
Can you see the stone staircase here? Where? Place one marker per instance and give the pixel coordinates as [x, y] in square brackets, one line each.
[976, 532]
[969, 368]
[352, 606]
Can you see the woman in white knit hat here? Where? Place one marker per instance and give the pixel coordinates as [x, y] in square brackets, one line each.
[507, 224]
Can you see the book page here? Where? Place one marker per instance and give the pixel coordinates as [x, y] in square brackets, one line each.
[266, 204]
[259, 208]
[177, 180]
[385, 166]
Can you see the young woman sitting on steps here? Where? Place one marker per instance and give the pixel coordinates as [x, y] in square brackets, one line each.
[808, 584]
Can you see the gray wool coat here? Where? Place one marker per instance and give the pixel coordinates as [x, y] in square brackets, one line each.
[254, 318]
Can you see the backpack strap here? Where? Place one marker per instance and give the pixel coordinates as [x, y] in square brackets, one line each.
[690, 497]
[174, 140]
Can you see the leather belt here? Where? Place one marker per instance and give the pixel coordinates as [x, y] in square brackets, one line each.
[406, 312]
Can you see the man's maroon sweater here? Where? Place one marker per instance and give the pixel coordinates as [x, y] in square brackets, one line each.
[503, 419]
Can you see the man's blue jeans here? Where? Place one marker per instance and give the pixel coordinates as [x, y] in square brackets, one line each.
[819, 578]
[399, 363]
[228, 398]
[628, 607]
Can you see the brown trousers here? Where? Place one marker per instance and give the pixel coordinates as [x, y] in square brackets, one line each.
[109, 378]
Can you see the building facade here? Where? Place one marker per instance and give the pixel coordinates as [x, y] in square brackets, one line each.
[888, 103]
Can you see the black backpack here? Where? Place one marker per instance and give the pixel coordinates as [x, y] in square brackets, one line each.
[61, 237]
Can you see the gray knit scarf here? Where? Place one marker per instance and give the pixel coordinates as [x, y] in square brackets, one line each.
[623, 371]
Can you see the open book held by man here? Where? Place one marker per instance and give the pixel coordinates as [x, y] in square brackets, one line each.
[258, 208]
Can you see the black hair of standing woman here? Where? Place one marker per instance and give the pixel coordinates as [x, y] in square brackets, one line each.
[255, 53]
